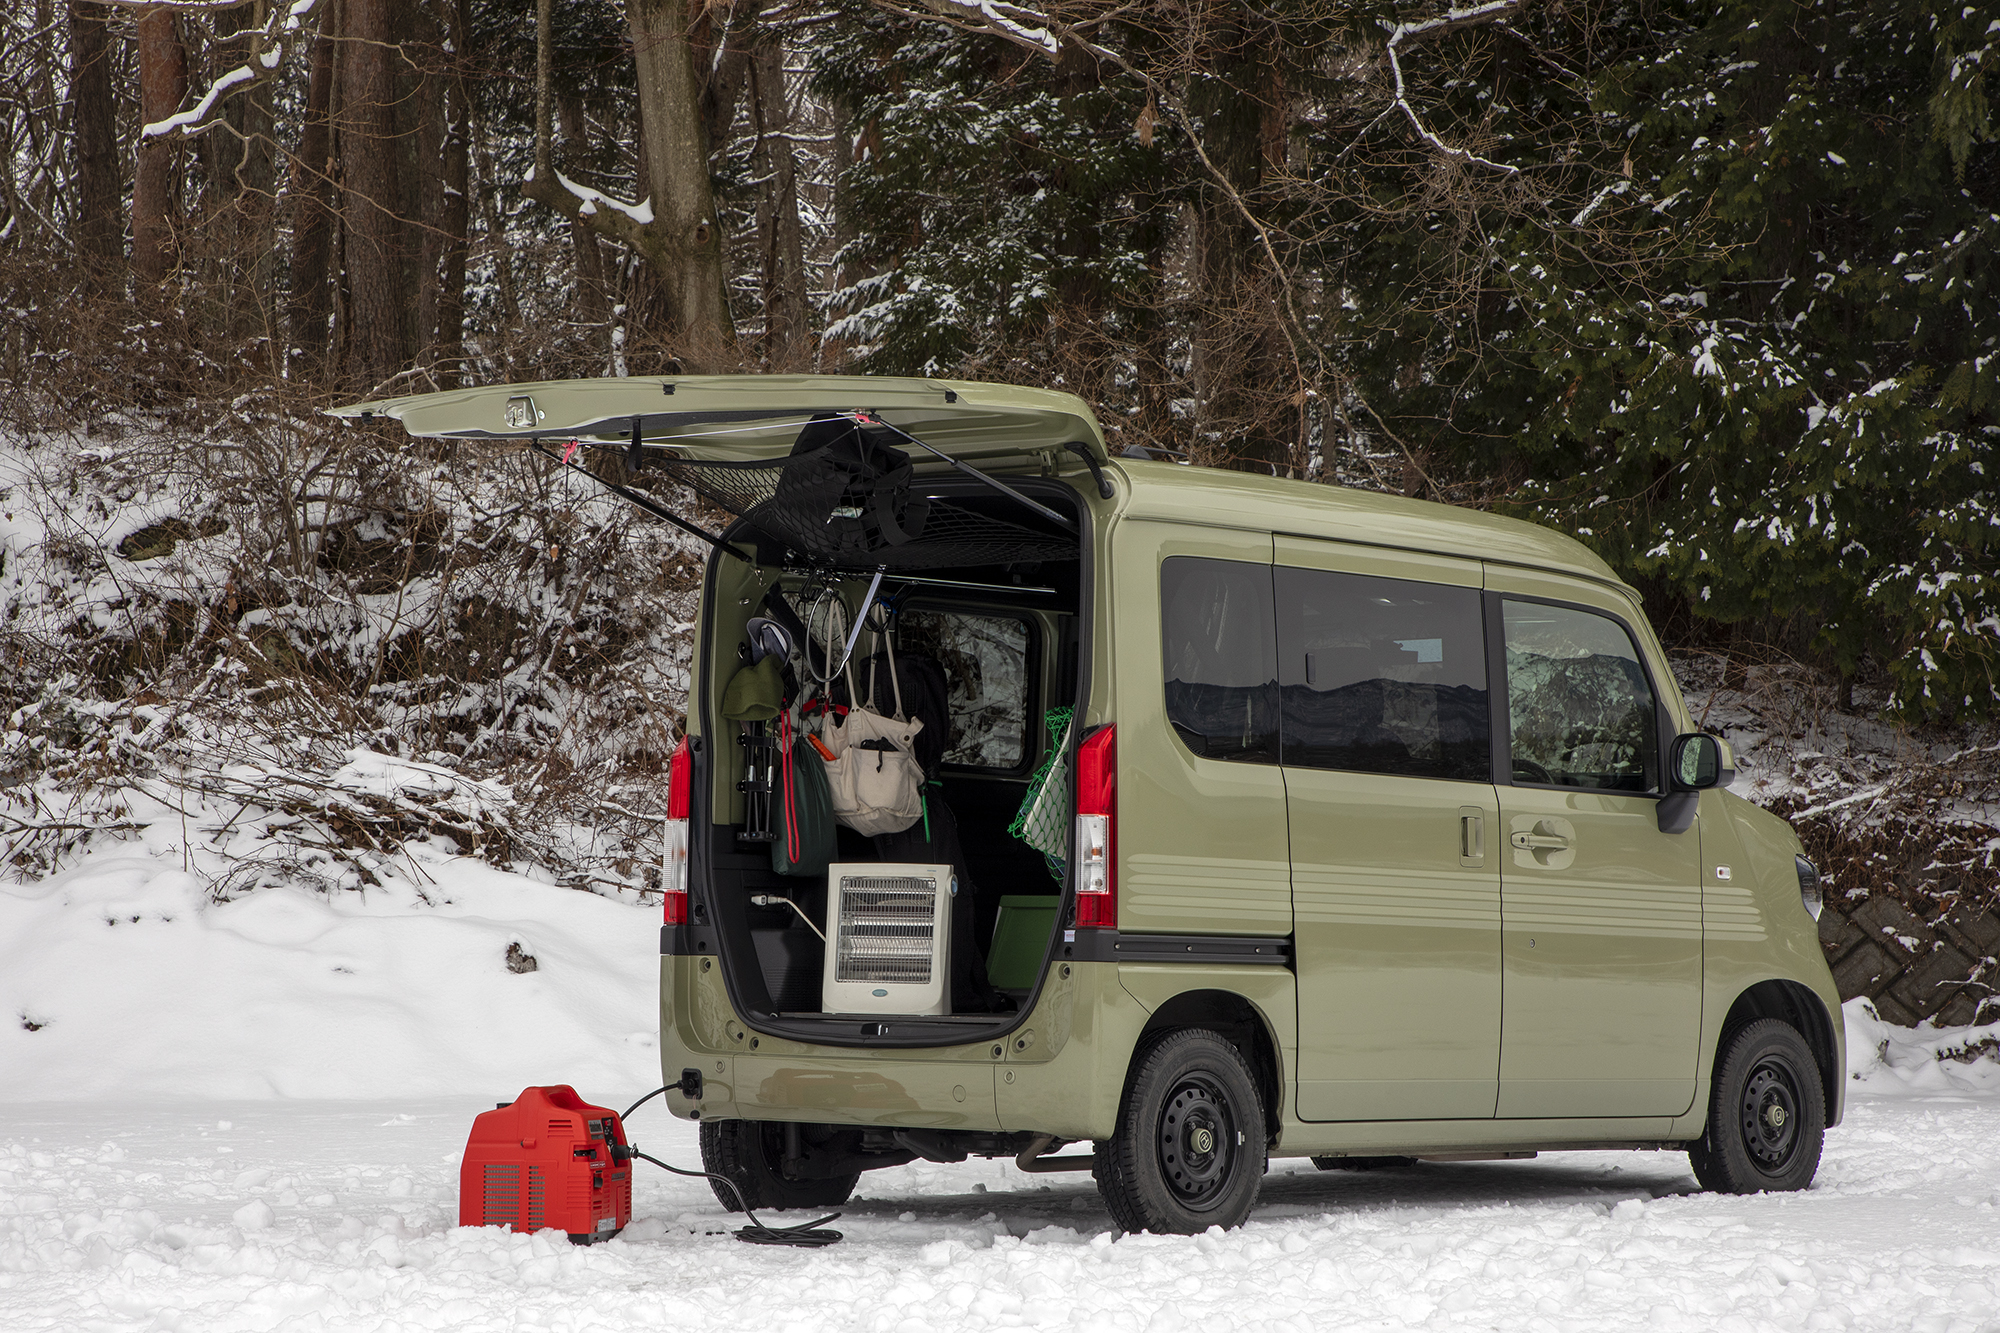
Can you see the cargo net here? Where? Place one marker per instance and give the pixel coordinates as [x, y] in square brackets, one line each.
[815, 504]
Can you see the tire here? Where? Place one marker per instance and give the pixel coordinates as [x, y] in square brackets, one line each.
[1767, 1115]
[750, 1153]
[1362, 1163]
[1189, 1152]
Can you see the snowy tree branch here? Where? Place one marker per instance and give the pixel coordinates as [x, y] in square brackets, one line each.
[267, 56]
[1451, 21]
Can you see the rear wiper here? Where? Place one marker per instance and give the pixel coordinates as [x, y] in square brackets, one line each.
[1066, 524]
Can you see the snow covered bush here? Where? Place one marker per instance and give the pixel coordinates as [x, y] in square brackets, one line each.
[308, 643]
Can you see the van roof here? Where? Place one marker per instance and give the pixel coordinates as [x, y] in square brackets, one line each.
[1174, 492]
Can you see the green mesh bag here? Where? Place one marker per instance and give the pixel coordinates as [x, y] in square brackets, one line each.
[1044, 818]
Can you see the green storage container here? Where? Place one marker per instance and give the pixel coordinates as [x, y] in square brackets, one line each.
[1020, 938]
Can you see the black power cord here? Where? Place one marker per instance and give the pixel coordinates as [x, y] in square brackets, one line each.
[806, 1235]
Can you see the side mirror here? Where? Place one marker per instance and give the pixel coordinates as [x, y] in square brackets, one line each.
[1699, 762]
[1696, 763]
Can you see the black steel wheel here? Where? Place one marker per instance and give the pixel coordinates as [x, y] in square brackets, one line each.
[1767, 1114]
[1189, 1153]
[751, 1154]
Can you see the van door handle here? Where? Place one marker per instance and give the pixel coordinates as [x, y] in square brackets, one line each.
[1471, 836]
[1529, 842]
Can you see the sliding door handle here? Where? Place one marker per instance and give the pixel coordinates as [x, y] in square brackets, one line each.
[1471, 836]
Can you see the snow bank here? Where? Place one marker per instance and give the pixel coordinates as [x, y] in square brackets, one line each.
[1885, 1058]
[123, 976]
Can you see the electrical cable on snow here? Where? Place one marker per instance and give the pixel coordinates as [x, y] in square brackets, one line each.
[805, 1235]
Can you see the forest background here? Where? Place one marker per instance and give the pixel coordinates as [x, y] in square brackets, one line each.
[1709, 285]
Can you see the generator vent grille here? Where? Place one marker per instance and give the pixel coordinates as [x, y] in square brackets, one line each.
[507, 1203]
[888, 929]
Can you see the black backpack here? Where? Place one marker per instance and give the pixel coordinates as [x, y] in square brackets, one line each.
[848, 488]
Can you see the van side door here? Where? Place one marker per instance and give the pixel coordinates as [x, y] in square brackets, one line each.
[1387, 749]
[1603, 938]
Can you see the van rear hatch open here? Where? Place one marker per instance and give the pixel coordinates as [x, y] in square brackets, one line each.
[749, 418]
[972, 552]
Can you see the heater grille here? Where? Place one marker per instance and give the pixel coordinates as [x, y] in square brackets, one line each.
[888, 929]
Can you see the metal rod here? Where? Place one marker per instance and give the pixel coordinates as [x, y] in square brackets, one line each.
[854, 635]
[927, 581]
[1059, 520]
[645, 502]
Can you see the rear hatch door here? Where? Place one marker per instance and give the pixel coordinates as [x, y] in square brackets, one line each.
[752, 418]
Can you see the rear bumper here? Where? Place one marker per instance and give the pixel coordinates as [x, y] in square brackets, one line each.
[1060, 1072]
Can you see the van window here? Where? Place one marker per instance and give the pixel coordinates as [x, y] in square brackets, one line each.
[1580, 709]
[1383, 675]
[985, 661]
[1221, 668]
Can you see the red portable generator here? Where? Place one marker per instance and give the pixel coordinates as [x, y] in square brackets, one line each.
[547, 1159]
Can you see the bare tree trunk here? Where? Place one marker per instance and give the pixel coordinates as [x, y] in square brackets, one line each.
[454, 216]
[427, 33]
[99, 241]
[310, 304]
[1240, 342]
[494, 220]
[593, 291]
[382, 339]
[163, 79]
[682, 240]
[781, 238]
[252, 189]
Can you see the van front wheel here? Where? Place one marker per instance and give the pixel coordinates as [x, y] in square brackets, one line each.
[1189, 1151]
[1766, 1117]
[751, 1155]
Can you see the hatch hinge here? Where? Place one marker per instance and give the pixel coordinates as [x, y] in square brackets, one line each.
[1082, 451]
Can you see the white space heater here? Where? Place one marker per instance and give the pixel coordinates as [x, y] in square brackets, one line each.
[888, 926]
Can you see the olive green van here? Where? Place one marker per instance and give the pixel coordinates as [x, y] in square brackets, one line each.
[1381, 830]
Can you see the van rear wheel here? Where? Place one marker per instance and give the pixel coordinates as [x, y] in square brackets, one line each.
[1766, 1116]
[1189, 1153]
[750, 1154]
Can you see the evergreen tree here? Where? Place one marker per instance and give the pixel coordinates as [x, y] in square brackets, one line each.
[1757, 365]
[988, 198]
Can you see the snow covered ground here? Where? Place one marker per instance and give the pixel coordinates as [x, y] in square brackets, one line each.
[165, 1165]
[123, 1214]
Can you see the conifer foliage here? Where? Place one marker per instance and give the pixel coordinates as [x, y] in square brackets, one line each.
[1705, 282]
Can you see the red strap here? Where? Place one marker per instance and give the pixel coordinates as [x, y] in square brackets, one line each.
[791, 810]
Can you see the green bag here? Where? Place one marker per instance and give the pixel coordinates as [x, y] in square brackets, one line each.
[802, 809]
[1045, 815]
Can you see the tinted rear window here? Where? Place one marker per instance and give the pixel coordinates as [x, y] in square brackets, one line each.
[1382, 675]
[1221, 672]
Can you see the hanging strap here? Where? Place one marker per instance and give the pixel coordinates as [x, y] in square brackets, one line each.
[792, 843]
[885, 644]
[895, 676]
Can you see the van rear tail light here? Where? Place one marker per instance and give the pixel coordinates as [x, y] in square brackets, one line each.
[674, 859]
[1097, 831]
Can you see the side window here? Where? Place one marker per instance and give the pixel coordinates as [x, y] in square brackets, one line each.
[985, 661]
[1383, 675]
[1580, 710]
[1220, 657]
